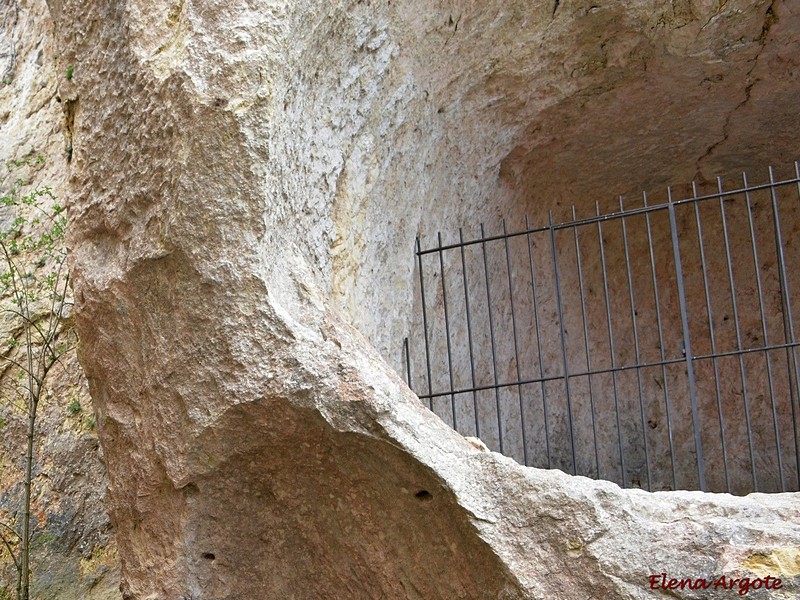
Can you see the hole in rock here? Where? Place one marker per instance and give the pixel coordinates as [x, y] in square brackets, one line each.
[423, 495]
[558, 339]
[208, 556]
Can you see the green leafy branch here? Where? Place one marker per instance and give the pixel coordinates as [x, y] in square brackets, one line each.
[35, 281]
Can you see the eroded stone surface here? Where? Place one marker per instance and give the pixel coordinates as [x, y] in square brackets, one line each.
[249, 179]
[74, 555]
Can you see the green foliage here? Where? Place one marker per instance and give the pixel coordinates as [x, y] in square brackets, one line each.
[33, 286]
[32, 239]
[70, 72]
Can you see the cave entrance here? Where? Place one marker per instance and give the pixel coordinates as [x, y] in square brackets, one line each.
[654, 346]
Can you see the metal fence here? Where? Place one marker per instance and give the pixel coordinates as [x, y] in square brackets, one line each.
[653, 346]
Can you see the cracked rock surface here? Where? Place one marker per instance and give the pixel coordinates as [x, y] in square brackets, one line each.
[248, 178]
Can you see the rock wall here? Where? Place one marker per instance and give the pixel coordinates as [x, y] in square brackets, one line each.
[74, 554]
[248, 180]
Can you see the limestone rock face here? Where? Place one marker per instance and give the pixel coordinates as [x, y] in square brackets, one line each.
[248, 181]
[74, 554]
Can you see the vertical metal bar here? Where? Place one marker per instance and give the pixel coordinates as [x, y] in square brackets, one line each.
[563, 340]
[538, 344]
[586, 343]
[636, 343]
[767, 358]
[698, 441]
[425, 326]
[794, 392]
[786, 305]
[491, 338]
[661, 346]
[469, 335]
[447, 334]
[408, 362]
[610, 332]
[709, 314]
[735, 306]
[516, 346]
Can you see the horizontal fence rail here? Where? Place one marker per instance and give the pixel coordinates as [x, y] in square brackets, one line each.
[653, 345]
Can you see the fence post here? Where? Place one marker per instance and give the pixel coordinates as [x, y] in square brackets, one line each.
[469, 333]
[698, 442]
[516, 347]
[586, 341]
[538, 343]
[563, 340]
[447, 334]
[612, 351]
[425, 326]
[712, 339]
[407, 353]
[786, 309]
[496, 386]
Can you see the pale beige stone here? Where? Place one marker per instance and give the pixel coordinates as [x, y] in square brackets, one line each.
[248, 182]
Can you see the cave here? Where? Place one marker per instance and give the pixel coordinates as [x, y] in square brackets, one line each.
[527, 131]
[579, 345]
[246, 183]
